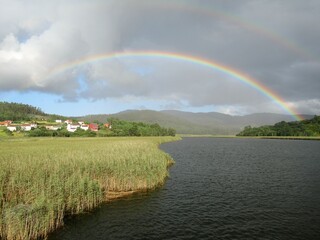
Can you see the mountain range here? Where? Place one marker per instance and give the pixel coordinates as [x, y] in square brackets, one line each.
[196, 123]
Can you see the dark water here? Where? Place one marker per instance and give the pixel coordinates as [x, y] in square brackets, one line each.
[219, 189]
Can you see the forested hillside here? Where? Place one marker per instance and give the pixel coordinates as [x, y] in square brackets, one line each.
[182, 122]
[18, 111]
[22, 112]
[125, 128]
[310, 127]
[196, 123]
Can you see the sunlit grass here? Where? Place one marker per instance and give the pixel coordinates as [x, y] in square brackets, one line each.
[42, 180]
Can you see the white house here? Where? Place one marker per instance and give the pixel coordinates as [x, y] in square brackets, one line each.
[72, 127]
[12, 128]
[68, 121]
[53, 128]
[58, 121]
[84, 127]
[26, 127]
[33, 125]
[81, 123]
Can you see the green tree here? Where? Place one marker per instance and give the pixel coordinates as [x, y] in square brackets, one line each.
[309, 127]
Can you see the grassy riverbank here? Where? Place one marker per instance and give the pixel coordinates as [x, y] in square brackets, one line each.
[205, 136]
[280, 137]
[290, 137]
[42, 180]
[254, 137]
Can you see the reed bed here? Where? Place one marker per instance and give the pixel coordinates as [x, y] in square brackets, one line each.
[43, 180]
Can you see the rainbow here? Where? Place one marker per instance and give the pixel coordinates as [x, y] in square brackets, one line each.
[187, 58]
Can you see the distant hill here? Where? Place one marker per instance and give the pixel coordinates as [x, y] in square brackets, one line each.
[18, 111]
[197, 123]
[182, 122]
[24, 112]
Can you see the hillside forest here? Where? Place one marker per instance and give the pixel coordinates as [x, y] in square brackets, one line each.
[307, 128]
[22, 113]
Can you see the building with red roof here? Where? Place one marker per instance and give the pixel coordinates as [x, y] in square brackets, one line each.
[93, 127]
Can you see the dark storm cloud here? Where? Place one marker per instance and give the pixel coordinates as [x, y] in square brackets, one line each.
[275, 42]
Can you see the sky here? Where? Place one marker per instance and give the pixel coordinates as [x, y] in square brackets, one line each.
[49, 49]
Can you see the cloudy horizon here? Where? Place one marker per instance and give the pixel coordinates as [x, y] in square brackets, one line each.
[273, 42]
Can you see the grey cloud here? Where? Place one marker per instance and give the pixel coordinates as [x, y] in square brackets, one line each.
[275, 42]
[168, 80]
[308, 106]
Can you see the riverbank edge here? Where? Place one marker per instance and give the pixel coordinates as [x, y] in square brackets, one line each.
[252, 137]
[110, 195]
[114, 195]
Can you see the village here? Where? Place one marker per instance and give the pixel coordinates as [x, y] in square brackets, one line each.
[70, 125]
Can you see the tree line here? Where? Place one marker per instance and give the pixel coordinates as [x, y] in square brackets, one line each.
[118, 128]
[18, 111]
[125, 128]
[310, 127]
[24, 112]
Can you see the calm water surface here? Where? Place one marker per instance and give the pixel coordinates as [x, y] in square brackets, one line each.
[219, 189]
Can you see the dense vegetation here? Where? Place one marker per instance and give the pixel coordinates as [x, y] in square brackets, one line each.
[196, 123]
[42, 180]
[18, 111]
[310, 127]
[119, 128]
[125, 128]
[191, 123]
[63, 132]
[22, 112]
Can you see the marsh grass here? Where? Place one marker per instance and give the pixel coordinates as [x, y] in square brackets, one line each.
[43, 180]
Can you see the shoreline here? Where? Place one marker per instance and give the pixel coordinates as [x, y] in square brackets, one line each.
[113, 195]
[79, 178]
[282, 137]
[317, 138]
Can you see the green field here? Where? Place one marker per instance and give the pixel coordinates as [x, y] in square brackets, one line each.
[44, 179]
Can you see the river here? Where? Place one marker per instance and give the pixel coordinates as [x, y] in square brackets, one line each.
[219, 188]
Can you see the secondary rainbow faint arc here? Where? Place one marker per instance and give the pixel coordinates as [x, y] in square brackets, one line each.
[211, 12]
[254, 28]
[187, 58]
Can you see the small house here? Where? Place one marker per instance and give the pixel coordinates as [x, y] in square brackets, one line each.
[26, 127]
[72, 127]
[68, 121]
[93, 127]
[5, 123]
[52, 128]
[84, 127]
[12, 128]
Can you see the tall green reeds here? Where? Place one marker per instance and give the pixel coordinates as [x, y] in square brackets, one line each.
[42, 180]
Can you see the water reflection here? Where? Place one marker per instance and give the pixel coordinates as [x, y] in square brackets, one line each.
[219, 189]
